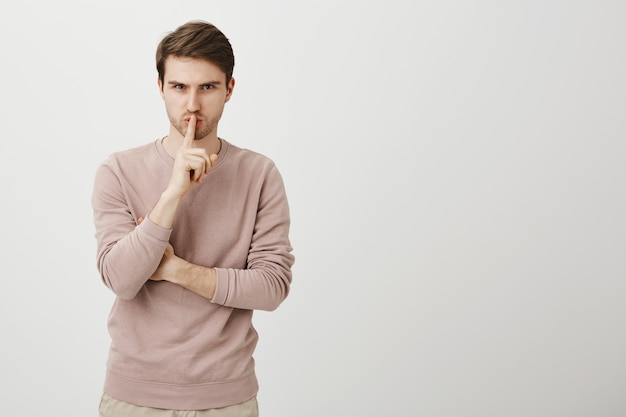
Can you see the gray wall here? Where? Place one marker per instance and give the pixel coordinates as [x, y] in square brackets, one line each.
[456, 179]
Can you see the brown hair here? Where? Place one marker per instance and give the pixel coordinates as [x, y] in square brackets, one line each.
[197, 39]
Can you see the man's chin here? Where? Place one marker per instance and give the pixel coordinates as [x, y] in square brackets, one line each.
[203, 134]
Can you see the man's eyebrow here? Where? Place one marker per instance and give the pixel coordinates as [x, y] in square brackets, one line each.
[174, 82]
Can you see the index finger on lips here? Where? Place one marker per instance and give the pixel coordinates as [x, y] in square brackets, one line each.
[191, 132]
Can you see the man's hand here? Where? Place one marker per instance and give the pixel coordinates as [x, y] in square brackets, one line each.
[170, 266]
[190, 165]
[174, 269]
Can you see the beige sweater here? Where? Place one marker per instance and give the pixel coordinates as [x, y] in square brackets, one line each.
[171, 348]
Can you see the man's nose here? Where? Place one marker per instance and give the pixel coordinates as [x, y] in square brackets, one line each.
[193, 102]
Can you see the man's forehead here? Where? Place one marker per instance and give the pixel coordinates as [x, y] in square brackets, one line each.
[192, 67]
[176, 60]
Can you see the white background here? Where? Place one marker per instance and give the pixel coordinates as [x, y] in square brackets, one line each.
[455, 172]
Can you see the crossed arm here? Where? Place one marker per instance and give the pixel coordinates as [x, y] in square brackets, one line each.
[196, 278]
[130, 254]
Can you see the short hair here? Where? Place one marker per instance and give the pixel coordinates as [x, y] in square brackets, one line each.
[197, 39]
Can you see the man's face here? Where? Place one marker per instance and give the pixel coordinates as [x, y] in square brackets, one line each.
[194, 86]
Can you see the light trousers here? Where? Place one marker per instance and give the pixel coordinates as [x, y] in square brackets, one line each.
[111, 407]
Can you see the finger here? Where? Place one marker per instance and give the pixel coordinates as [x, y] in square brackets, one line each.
[212, 161]
[207, 161]
[139, 220]
[197, 175]
[206, 167]
[197, 167]
[191, 132]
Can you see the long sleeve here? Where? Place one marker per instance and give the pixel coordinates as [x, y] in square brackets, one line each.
[264, 284]
[127, 254]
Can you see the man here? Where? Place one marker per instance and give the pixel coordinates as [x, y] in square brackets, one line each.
[192, 236]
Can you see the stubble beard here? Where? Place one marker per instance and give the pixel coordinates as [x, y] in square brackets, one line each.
[208, 126]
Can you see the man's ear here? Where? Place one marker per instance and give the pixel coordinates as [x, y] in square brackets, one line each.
[160, 84]
[229, 89]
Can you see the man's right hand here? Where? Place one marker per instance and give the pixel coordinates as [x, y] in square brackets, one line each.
[190, 164]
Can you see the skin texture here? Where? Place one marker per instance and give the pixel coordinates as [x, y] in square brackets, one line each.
[195, 93]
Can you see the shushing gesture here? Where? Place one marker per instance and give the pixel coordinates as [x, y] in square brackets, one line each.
[190, 164]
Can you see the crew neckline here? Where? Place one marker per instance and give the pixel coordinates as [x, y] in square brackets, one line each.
[169, 160]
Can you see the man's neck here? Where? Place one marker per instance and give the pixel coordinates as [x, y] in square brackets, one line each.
[211, 143]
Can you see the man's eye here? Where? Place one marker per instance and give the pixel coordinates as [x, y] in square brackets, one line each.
[208, 86]
[179, 86]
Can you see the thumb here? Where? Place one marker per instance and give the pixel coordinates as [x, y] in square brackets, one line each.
[213, 159]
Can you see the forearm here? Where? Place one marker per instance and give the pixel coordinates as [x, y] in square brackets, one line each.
[261, 288]
[253, 289]
[266, 279]
[126, 265]
[164, 210]
[196, 278]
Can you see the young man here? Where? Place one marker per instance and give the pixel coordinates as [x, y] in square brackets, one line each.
[192, 236]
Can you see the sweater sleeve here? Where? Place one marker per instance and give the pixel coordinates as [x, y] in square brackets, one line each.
[127, 254]
[265, 283]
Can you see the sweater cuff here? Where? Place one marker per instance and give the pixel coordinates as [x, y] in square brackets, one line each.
[155, 230]
[221, 286]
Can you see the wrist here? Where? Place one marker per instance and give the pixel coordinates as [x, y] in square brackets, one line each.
[164, 211]
[171, 197]
[184, 271]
